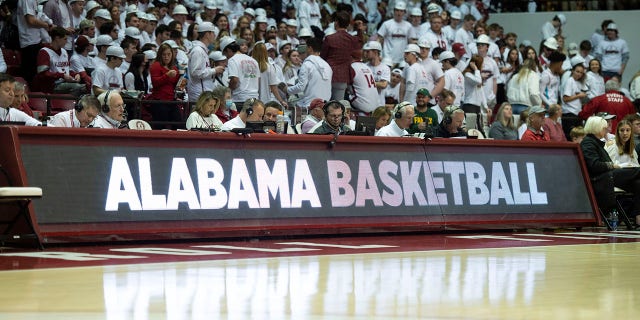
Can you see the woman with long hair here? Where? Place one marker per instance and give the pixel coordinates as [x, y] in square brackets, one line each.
[164, 78]
[524, 87]
[573, 96]
[474, 100]
[204, 113]
[530, 53]
[622, 150]
[221, 21]
[291, 66]
[504, 128]
[137, 77]
[268, 77]
[243, 22]
[594, 80]
[226, 110]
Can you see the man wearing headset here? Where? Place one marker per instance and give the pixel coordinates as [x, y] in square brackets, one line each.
[451, 125]
[82, 116]
[403, 118]
[112, 110]
[335, 120]
[252, 110]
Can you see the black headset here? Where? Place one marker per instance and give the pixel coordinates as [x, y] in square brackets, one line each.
[79, 106]
[325, 107]
[399, 109]
[448, 114]
[105, 106]
[248, 105]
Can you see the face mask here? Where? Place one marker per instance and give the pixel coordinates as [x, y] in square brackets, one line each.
[210, 47]
[228, 103]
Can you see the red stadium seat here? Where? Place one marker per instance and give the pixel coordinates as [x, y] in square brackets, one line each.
[60, 103]
[13, 60]
[38, 102]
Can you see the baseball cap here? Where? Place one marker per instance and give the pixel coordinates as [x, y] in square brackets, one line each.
[536, 109]
[171, 44]
[225, 41]
[397, 71]
[131, 8]
[551, 43]
[388, 62]
[400, 6]
[269, 46]
[133, 32]
[103, 40]
[483, 39]
[292, 23]
[562, 18]
[210, 4]
[573, 48]
[72, 1]
[115, 51]
[458, 48]
[373, 45]
[250, 12]
[424, 43]
[91, 5]
[416, 12]
[83, 41]
[261, 19]
[605, 115]
[103, 13]
[152, 17]
[179, 9]
[261, 12]
[456, 14]
[305, 32]
[86, 24]
[150, 54]
[141, 15]
[612, 26]
[302, 48]
[576, 60]
[346, 104]
[424, 92]
[433, 8]
[413, 48]
[526, 43]
[282, 44]
[217, 56]
[444, 55]
[206, 27]
[316, 103]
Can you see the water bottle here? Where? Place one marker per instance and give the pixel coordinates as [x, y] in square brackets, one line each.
[280, 122]
[613, 220]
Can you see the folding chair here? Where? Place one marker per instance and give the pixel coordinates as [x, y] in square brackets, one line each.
[623, 196]
[21, 197]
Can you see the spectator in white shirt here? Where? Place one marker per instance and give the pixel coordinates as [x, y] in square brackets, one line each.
[244, 72]
[112, 111]
[314, 77]
[252, 110]
[553, 27]
[402, 118]
[393, 34]
[82, 116]
[6, 98]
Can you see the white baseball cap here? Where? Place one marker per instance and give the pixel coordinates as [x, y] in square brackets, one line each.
[413, 48]
[416, 12]
[576, 60]
[424, 43]
[444, 55]
[456, 14]
[90, 5]
[400, 6]
[179, 9]
[373, 45]
[551, 43]
[152, 17]
[210, 4]
[150, 54]
[250, 12]
[115, 51]
[261, 12]
[433, 8]
[282, 44]
[292, 22]
[483, 39]
[171, 44]
[131, 8]
[562, 18]
[103, 13]
[103, 40]
[305, 32]
[217, 56]
[612, 26]
[141, 15]
[133, 32]
[225, 41]
[206, 27]
[261, 19]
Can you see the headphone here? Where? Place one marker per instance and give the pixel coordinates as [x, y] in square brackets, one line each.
[105, 106]
[79, 106]
[325, 108]
[399, 109]
[448, 114]
[248, 106]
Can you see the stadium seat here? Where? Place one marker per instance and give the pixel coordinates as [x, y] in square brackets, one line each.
[38, 102]
[13, 60]
[622, 197]
[21, 197]
[60, 103]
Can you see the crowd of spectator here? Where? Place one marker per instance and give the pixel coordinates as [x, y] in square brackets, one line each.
[432, 67]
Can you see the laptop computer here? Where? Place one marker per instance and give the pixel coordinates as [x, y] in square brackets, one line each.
[262, 126]
[366, 124]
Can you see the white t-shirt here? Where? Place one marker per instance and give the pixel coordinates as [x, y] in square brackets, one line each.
[65, 119]
[416, 77]
[309, 14]
[107, 78]
[571, 88]
[80, 63]
[268, 78]
[391, 130]
[489, 66]
[314, 81]
[465, 37]
[395, 39]
[381, 72]
[595, 83]
[454, 82]
[434, 72]
[437, 40]
[365, 93]
[549, 87]
[611, 52]
[28, 35]
[246, 69]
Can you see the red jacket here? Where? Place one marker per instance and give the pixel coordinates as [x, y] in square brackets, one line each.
[612, 102]
[163, 85]
[336, 51]
[223, 116]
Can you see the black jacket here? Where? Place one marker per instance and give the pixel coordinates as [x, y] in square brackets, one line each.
[595, 156]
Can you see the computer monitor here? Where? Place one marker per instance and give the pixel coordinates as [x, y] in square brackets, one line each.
[366, 124]
[262, 126]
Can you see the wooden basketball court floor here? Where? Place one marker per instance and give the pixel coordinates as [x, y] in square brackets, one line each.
[567, 275]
